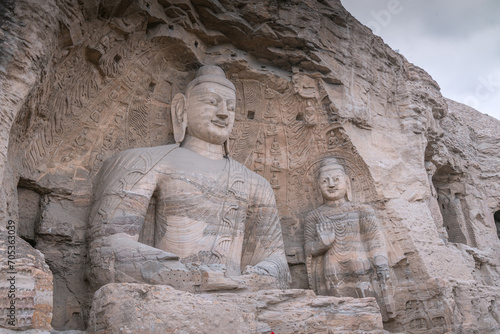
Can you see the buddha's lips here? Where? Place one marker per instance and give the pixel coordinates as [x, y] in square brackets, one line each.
[221, 124]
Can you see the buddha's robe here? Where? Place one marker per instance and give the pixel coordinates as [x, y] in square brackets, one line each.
[204, 215]
[358, 240]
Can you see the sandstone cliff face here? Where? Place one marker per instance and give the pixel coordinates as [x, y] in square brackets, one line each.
[28, 30]
[466, 182]
[84, 80]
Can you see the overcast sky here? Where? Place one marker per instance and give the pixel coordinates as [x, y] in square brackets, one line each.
[456, 41]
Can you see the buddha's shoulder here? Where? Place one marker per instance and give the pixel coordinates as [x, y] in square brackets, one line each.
[145, 151]
[249, 175]
[142, 156]
[362, 209]
[347, 207]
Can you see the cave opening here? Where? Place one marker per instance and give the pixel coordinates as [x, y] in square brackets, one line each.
[451, 196]
[496, 216]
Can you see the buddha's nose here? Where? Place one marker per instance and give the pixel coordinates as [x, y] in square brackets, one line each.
[222, 113]
[331, 183]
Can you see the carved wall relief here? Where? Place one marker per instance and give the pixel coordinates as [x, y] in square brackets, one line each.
[125, 89]
[425, 311]
[282, 134]
[25, 303]
[28, 282]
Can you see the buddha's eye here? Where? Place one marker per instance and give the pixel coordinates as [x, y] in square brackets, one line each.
[230, 107]
[212, 101]
[337, 179]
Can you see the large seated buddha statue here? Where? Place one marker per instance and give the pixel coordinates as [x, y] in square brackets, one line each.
[216, 222]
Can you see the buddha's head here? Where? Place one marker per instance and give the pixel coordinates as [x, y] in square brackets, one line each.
[207, 110]
[333, 181]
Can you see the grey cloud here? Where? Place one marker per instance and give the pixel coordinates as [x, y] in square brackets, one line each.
[457, 42]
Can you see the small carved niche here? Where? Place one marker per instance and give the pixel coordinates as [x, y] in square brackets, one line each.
[450, 189]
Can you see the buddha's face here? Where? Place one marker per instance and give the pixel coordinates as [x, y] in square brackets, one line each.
[210, 112]
[333, 184]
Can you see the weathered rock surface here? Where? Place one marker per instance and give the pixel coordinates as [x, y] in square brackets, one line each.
[141, 308]
[81, 81]
[467, 177]
[25, 285]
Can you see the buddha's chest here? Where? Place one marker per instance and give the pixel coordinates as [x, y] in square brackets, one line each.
[203, 197]
[347, 222]
[183, 186]
[197, 214]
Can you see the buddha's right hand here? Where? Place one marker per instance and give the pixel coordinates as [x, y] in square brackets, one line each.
[126, 249]
[326, 232]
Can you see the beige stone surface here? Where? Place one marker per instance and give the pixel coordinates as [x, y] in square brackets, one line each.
[141, 308]
[81, 83]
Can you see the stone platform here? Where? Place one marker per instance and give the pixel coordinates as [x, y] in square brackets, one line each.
[142, 308]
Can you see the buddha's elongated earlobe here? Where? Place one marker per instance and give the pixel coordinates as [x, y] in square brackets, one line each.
[179, 117]
[349, 188]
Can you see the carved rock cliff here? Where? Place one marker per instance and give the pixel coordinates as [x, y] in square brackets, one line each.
[84, 80]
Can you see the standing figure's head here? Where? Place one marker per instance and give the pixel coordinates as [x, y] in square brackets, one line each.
[333, 181]
[207, 110]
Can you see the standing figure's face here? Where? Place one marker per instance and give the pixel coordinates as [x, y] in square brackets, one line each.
[210, 112]
[333, 184]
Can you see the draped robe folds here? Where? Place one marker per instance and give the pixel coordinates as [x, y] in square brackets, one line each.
[230, 220]
[358, 240]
